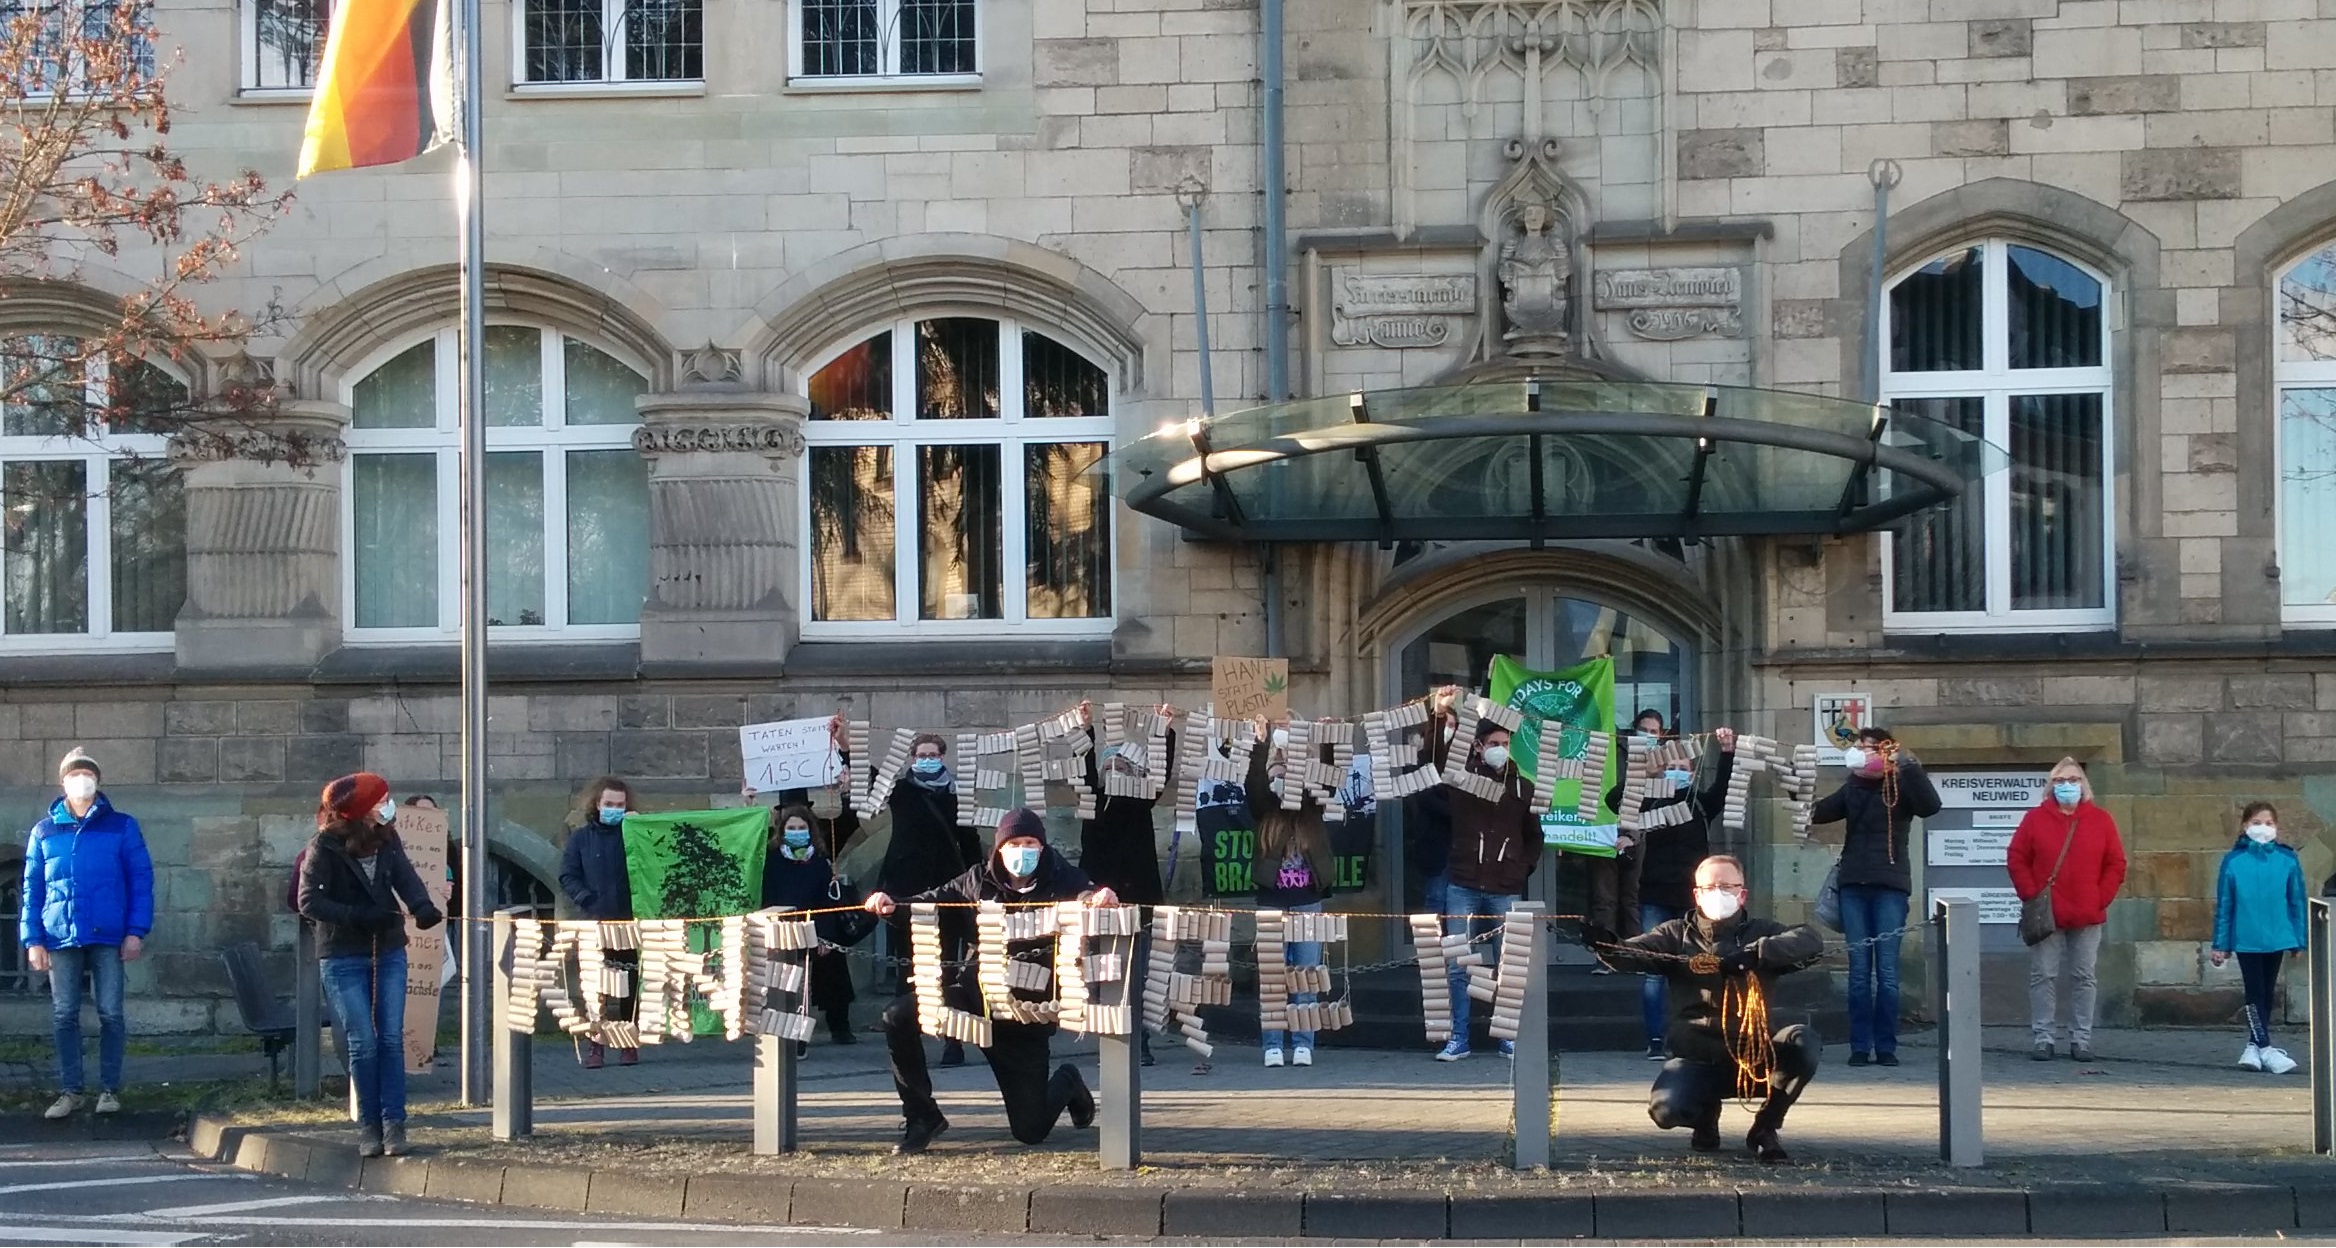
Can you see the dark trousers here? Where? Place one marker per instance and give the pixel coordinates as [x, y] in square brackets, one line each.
[831, 982]
[2260, 973]
[1614, 891]
[1019, 1060]
[620, 1009]
[1689, 1094]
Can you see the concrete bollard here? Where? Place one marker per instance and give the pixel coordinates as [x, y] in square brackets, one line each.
[514, 1057]
[307, 1015]
[1955, 999]
[1119, 1114]
[776, 1125]
[1529, 1073]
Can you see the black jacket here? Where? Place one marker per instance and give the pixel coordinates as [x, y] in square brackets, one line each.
[1873, 842]
[1693, 1031]
[1117, 847]
[1309, 831]
[592, 870]
[928, 847]
[1056, 879]
[357, 917]
[1427, 831]
[1668, 856]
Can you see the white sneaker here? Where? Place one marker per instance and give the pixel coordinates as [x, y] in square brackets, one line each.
[1273, 1057]
[2250, 1058]
[108, 1103]
[67, 1104]
[1301, 1056]
[2277, 1062]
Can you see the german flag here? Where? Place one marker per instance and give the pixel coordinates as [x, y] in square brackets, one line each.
[385, 92]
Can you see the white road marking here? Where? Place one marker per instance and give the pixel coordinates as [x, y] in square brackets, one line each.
[95, 1159]
[68, 1235]
[76, 1184]
[233, 1206]
[529, 1224]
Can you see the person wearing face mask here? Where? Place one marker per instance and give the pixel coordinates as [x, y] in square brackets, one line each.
[355, 875]
[88, 904]
[928, 849]
[1701, 955]
[1668, 857]
[1885, 792]
[1119, 847]
[1615, 882]
[1291, 869]
[795, 874]
[593, 871]
[2069, 846]
[1023, 869]
[1496, 843]
[2259, 919]
[1427, 814]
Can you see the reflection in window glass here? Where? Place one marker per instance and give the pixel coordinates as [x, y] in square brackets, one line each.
[601, 388]
[961, 532]
[2057, 498]
[608, 536]
[1056, 382]
[2055, 312]
[514, 376]
[2307, 496]
[1939, 554]
[394, 505]
[1936, 316]
[1459, 649]
[44, 386]
[2307, 308]
[841, 37]
[287, 43]
[47, 549]
[402, 394]
[515, 553]
[856, 385]
[1648, 665]
[142, 398]
[149, 530]
[936, 36]
[1066, 517]
[852, 551]
[957, 369]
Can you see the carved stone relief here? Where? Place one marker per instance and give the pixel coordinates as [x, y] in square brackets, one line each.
[1533, 221]
[1398, 310]
[1667, 305]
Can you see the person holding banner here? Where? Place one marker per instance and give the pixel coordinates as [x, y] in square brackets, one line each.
[1496, 843]
[1291, 868]
[796, 875]
[928, 849]
[1022, 870]
[1118, 848]
[1614, 882]
[1886, 791]
[351, 882]
[1669, 856]
[1719, 962]
[593, 871]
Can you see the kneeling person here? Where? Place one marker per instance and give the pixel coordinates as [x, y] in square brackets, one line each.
[1021, 868]
[1702, 955]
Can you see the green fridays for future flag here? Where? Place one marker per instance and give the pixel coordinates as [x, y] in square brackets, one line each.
[697, 864]
[1578, 697]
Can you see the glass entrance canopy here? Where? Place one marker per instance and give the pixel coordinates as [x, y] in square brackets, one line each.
[1549, 459]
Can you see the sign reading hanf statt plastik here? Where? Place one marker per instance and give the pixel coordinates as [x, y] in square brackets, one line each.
[1247, 688]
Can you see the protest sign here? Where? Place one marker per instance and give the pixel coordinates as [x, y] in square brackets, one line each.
[789, 754]
[1247, 688]
[423, 832]
[1579, 697]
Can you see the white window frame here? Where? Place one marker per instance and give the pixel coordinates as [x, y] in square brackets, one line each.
[96, 451]
[2289, 375]
[888, 53]
[551, 440]
[612, 60]
[77, 7]
[248, 46]
[904, 433]
[1996, 383]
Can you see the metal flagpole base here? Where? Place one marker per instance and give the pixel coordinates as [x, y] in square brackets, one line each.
[514, 1094]
[776, 1127]
[2320, 952]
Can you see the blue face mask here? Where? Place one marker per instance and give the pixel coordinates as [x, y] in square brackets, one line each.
[1678, 777]
[927, 767]
[2068, 792]
[612, 815]
[797, 838]
[1020, 861]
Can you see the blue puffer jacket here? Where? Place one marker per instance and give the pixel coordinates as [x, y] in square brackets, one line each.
[592, 869]
[86, 881]
[2259, 901]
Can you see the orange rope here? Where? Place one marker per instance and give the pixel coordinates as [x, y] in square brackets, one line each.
[1751, 1044]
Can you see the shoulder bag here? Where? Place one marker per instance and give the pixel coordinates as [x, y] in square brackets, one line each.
[1829, 899]
[2036, 925]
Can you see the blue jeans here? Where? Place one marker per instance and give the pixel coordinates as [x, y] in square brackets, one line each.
[1434, 891]
[1299, 953]
[103, 964]
[1653, 990]
[1867, 912]
[1463, 900]
[368, 995]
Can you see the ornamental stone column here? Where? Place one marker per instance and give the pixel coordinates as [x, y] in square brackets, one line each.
[725, 471]
[263, 502]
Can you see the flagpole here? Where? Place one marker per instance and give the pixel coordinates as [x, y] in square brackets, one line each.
[477, 1001]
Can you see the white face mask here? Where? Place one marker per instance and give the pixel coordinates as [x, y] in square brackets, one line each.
[1496, 756]
[1853, 758]
[81, 786]
[1718, 906]
[1281, 738]
[2262, 833]
[386, 812]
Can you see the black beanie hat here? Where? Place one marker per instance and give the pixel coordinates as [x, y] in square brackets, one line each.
[1020, 821]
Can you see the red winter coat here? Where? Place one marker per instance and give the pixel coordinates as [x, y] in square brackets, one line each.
[2095, 869]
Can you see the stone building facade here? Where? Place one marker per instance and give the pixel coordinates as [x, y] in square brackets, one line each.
[744, 285]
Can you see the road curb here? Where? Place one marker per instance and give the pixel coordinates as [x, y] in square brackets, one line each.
[1818, 1213]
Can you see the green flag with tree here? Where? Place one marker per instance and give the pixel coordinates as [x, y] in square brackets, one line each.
[697, 864]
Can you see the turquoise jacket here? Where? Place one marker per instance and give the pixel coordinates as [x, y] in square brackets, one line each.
[2259, 901]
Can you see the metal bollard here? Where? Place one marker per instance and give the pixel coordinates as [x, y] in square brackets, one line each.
[776, 1125]
[307, 1015]
[1529, 1073]
[1955, 999]
[1119, 1115]
[514, 1070]
[2321, 962]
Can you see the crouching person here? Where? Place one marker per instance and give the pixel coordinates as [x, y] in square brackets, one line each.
[1710, 958]
[1021, 869]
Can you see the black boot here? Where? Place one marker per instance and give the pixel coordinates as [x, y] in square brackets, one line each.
[953, 1053]
[839, 1026]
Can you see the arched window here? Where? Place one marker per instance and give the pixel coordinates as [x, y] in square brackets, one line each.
[567, 495]
[94, 553]
[960, 491]
[2008, 342]
[2305, 371]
